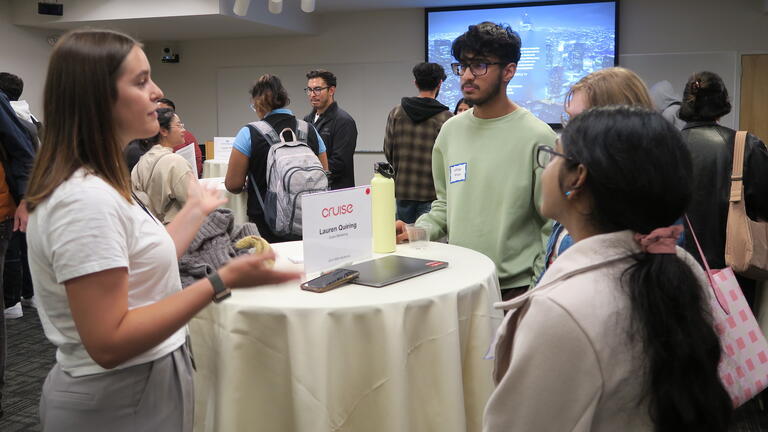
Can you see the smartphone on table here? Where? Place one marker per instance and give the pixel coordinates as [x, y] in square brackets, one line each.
[331, 280]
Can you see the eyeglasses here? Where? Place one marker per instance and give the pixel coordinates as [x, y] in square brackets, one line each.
[544, 156]
[477, 69]
[180, 125]
[253, 108]
[315, 90]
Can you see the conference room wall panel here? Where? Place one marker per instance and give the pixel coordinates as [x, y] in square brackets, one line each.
[210, 85]
[24, 52]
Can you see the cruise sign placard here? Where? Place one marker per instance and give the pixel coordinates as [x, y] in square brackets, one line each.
[336, 227]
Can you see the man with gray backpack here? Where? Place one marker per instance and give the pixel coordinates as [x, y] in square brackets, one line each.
[282, 157]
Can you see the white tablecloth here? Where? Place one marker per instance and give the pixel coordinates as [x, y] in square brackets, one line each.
[238, 203]
[406, 357]
[214, 168]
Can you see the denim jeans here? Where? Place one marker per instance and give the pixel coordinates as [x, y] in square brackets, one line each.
[6, 228]
[408, 211]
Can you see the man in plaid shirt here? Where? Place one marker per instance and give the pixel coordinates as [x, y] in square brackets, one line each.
[412, 128]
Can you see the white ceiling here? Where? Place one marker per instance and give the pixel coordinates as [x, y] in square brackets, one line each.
[224, 24]
[359, 5]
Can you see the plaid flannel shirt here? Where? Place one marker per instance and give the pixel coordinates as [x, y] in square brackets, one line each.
[408, 148]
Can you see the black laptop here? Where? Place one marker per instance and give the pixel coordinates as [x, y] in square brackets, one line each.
[393, 268]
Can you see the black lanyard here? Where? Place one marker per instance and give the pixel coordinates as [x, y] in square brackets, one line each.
[143, 207]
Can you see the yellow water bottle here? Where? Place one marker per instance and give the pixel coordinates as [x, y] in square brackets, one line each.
[383, 207]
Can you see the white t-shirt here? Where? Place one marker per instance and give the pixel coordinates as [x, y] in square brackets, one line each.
[85, 227]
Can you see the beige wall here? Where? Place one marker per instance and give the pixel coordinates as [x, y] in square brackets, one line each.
[664, 26]
[24, 52]
[347, 38]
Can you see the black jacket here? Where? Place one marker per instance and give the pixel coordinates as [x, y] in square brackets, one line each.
[711, 147]
[339, 133]
[16, 150]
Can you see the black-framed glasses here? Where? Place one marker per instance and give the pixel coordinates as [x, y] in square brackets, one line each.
[477, 69]
[315, 90]
[544, 155]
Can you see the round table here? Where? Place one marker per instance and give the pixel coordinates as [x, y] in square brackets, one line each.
[214, 168]
[238, 203]
[405, 357]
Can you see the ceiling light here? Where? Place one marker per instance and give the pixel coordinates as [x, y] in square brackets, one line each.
[308, 5]
[275, 6]
[241, 7]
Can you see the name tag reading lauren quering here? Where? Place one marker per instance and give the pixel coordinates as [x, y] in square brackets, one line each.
[458, 172]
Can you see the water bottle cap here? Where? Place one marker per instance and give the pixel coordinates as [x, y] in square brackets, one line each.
[384, 168]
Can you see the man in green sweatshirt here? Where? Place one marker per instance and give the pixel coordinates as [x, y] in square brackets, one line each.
[484, 164]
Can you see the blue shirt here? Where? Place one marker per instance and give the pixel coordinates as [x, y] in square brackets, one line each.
[243, 139]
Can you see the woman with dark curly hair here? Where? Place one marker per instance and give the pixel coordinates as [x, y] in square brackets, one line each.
[705, 101]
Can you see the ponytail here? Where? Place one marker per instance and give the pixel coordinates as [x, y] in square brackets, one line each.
[670, 313]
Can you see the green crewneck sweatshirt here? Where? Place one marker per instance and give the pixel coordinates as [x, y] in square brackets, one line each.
[488, 189]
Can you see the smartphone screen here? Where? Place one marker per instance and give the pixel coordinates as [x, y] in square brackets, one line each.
[330, 280]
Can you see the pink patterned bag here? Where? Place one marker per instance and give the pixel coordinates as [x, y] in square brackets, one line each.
[744, 362]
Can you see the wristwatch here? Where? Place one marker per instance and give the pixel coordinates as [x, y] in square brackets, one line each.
[220, 292]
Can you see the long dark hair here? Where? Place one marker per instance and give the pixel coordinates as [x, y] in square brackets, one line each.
[639, 176]
[78, 100]
[458, 104]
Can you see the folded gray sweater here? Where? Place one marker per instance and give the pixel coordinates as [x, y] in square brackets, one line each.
[213, 246]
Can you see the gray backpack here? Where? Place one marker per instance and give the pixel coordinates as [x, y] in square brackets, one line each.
[293, 170]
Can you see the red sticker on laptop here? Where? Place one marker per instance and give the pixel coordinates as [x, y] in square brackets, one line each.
[434, 263]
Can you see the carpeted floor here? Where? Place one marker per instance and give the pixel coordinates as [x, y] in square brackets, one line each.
[31, 356]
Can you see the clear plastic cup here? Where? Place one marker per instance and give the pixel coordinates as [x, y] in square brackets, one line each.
[417, 236]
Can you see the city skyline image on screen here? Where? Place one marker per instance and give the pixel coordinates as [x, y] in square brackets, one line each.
[561, 43]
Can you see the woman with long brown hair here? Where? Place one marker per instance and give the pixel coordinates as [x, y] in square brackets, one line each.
[105, 270]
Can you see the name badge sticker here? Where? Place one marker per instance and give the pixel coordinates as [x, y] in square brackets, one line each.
[458, 172]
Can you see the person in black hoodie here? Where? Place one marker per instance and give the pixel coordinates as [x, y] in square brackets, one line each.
[337, 128]
[411, 130]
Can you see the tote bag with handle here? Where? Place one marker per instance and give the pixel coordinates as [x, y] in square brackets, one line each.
[744, 361]
[746, 241]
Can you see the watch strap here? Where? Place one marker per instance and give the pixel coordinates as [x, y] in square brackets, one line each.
[220, 291]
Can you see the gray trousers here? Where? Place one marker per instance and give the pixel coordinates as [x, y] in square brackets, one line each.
[155, 396]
